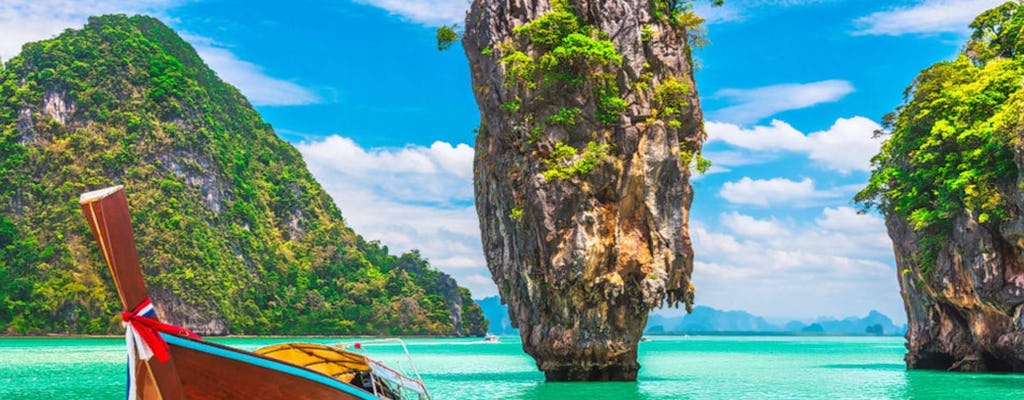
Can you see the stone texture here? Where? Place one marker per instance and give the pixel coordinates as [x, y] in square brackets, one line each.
[965, 312]
[590, 256]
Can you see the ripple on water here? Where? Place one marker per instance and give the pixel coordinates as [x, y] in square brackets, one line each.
[673, 368]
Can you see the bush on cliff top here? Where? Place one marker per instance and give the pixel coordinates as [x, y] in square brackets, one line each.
[950, 145]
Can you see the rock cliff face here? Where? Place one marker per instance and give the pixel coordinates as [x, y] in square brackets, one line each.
[590, 123]
[965, 312]
[949, 181]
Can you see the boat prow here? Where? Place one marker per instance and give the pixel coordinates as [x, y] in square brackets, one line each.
[171, 363]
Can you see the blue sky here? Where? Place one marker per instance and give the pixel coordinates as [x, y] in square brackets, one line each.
[792, 91]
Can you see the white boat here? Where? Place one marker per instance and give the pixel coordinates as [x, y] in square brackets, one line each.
[490, 338]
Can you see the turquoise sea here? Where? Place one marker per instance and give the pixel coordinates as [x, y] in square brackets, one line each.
[673, 368]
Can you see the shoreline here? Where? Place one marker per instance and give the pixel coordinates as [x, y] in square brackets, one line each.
[121, 336]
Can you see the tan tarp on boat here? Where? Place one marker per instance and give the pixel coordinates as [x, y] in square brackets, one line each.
[340, 364]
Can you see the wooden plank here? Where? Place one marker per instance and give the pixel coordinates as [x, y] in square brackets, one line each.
[110, 221]
[211, 377]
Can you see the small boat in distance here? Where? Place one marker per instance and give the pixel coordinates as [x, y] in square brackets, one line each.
[492, 338]
[166, 362]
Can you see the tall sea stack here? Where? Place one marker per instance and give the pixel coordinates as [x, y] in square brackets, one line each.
[948, 180]
[590, 125]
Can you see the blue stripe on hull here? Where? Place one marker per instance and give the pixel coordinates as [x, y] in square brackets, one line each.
[276, 366]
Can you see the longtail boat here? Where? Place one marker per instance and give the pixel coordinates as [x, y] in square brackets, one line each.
[171, 363]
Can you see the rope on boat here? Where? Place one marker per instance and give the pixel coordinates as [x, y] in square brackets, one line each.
[142, 336]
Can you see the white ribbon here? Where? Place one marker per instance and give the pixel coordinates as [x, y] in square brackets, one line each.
[137, 350]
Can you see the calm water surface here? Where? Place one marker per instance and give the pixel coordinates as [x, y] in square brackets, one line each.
[673, 368]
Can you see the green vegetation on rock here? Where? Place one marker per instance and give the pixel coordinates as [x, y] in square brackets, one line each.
[565, 116]
[447, 36]
[229, 222]
[697, 160]
[563, 72]
[563, 163]
[555, 50]
[680, 15]
[951, 145]
[516, 214]
[670, 101]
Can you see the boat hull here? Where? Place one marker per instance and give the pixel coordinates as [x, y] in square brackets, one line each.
[211, 371]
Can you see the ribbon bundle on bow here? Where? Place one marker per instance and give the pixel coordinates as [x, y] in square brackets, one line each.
[142, 335]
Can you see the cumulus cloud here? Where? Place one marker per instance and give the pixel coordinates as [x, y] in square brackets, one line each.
[261, 89]
[415, 197]
[846, 218]
[23, 21]
[804, 269]
[426, 12]
[752, 105]
[927, 17]
[778, 135]
[747, 226]
[766, 192]
[781, 192]
[846, 146]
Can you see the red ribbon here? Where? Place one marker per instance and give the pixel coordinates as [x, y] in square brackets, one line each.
[149, 330]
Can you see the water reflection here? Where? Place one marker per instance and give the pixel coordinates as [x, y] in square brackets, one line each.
[584, 390]
[958, 385]
[874, 367]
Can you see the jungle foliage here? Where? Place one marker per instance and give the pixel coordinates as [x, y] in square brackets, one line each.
[950, 146]
[227, 217]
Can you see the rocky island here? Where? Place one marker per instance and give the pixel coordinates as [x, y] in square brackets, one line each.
[590, 131]
[948, 180]
[235, 235]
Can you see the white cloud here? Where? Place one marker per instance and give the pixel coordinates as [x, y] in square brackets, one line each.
[846, 146]
[427, 12]
[414, 197]
[924, 18]
[261, 89]
[846, 218]
[776, 192]
[23, 21]
[776, 136]
[752, 105]
[750, 227]
[734, 158]
[794, 269]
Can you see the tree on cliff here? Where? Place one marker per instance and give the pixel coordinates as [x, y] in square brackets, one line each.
[950, 146]
[948, 179]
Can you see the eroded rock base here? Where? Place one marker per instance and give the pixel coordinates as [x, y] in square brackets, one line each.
[564, 373]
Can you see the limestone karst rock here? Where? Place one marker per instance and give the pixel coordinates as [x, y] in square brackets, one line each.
[948, 179]
[235, 235]
[590, 123]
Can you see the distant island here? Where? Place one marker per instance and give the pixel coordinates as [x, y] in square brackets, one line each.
[710, 321]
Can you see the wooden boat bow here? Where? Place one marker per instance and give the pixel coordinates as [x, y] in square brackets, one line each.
[109, 219]
[193, 369]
